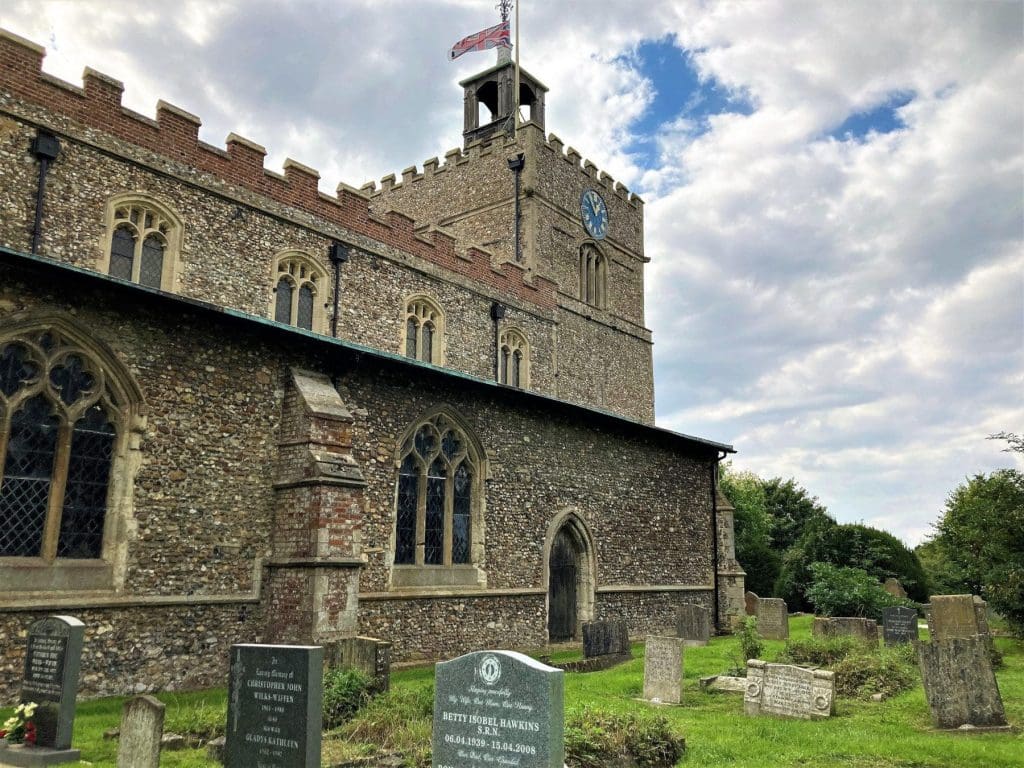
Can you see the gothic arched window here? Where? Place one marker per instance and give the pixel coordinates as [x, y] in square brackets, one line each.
[143, 241]
[437, 496]
[593, 276]
[298, 286]
[59, 424]
[424, 330]
[514, 358]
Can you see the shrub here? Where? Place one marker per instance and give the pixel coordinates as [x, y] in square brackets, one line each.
[751, 646]
[345, 693]
[888, 672]
[819, 651]
[842, 591]
[596, 739]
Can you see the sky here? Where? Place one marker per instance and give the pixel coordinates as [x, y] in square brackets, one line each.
[833, 191]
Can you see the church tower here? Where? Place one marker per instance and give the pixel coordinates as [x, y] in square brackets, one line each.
[576, 226]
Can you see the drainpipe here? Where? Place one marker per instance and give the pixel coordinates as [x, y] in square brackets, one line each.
[338, 253]
[45, 147]
[497, 313]
[714, 535]
[515, 164]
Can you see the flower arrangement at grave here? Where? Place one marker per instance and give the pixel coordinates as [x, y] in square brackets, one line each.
[19, 728]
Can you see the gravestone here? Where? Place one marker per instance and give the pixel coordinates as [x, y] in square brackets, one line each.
[959, 683]
[899, 625]
[772, 618]
[693, 624]
[956, 616]
[893, 587]
[663, 669]
[142, 727]
[53, 658]
[275, 706]
[370, 656]
[498, 708]
[750, 603]
[605, 638]
[788, 691]
[865, 630]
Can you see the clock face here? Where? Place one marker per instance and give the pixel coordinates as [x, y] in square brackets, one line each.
[595, 214]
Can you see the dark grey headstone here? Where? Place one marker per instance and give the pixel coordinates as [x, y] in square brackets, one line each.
[899, 625]
[52, 662]
[275, 706]
[605, 638]
[693, 624]
[959, 683]
[142, 730]
[498, 708]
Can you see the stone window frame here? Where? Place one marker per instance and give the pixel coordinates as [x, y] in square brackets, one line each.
[301, 270]
[420, 576]
[593, 275]
[166, 224]
[513, 342]
[422, 309]
[123, 402]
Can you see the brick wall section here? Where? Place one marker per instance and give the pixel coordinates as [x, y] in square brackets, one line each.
[175, 134]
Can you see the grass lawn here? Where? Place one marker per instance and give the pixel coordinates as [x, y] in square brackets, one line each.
[891, 734]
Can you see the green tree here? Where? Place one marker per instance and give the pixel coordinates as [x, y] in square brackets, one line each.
[753, 528]
[841, 591]
[792, 510]
[981, 534]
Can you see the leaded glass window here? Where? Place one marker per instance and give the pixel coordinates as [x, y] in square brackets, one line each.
[424, 330]
[513, 358]
[141, 238]
[57, 446]
[435, 496]
[299, 281]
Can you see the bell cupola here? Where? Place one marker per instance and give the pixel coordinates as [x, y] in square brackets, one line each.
[490, 103]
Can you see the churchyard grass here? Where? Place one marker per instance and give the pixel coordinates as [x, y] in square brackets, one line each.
[891, 734]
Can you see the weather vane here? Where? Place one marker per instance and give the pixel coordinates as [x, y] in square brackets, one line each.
[504, 6]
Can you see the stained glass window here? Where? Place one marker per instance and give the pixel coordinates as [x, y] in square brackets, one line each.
[57, 452]
[140, 243]
[435, 496]
[305, 311]
[283, 301]
[297, 290]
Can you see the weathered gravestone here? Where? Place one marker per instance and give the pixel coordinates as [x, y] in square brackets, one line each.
[498, 708]
[275, 706]
[899, 625]
[663, 669]
[142, 727]
[893, 587]
[865, 630]
[957, 616]
[370, 656]
[693, 624]
[772, 618]
[750, 603]
[605, 638]
[53, 658]
[959, 683]
[782, 689]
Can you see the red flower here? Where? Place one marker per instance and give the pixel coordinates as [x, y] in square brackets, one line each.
[2, 734]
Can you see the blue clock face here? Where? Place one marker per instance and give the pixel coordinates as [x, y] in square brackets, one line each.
[595, 214]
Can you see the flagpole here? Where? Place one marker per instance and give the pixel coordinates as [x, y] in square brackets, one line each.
[515, 124]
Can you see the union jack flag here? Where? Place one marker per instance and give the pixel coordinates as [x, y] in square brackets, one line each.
[492, 37]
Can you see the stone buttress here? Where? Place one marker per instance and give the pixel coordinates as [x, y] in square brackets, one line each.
[313, 578]
[731, 576]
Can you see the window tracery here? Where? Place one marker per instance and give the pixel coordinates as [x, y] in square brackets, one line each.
[514, 358]
[424, 330]
[142, 241]
[298, 288]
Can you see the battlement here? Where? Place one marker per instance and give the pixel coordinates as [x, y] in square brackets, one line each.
[174, 134]
[557, 147]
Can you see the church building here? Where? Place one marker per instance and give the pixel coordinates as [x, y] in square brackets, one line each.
[236, 409]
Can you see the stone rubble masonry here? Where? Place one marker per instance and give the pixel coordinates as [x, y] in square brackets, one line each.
[237, 216]
[242, 422]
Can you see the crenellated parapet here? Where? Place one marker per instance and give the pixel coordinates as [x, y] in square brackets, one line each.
[586, 168]
[174, 133]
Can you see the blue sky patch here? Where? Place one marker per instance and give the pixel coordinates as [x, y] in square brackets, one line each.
[679, 92]
[880, 119]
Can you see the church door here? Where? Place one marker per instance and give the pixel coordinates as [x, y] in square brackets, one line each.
[563, 576]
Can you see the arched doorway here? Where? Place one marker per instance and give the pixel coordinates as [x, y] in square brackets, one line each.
[571, 574]
[563, 577]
